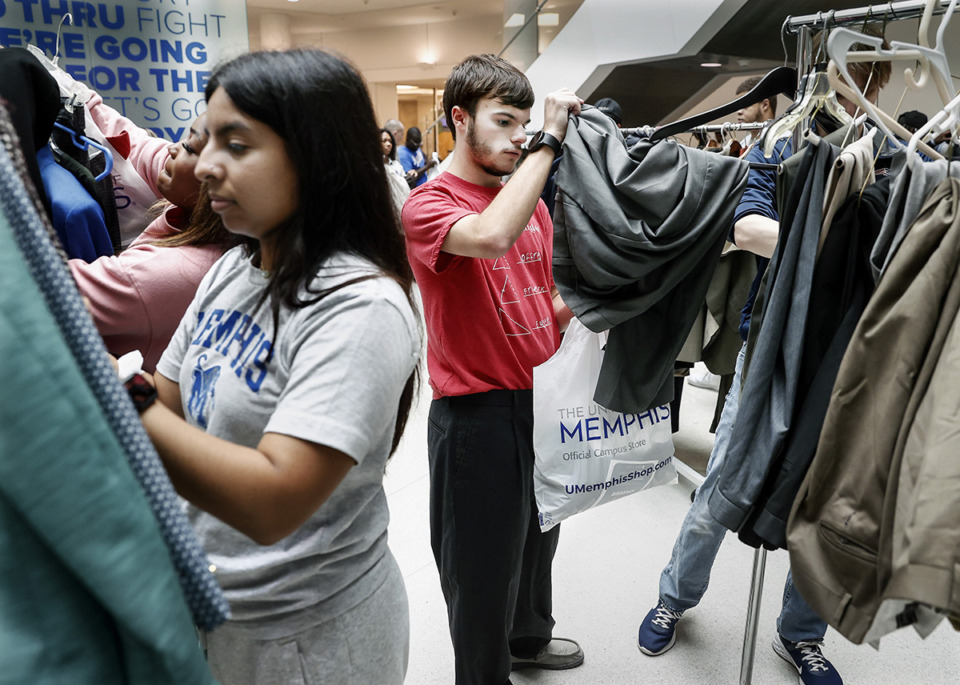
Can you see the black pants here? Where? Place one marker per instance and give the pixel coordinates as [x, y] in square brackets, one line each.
[494, 563]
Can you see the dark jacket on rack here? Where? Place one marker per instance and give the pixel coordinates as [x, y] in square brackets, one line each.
[637, 237]
[725, 297]
[917, 181]
[33, 102]
[769, 391]
[842, 283]
[862, 486]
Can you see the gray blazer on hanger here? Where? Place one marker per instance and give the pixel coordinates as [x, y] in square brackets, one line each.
[637, 236]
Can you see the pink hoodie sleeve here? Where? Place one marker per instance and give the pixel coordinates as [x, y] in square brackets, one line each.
[147, 153]
[115, 302]
[138, 297]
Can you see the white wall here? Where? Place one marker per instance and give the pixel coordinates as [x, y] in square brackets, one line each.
[606, 33]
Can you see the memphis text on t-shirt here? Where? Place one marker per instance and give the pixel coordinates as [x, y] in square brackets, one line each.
[233, 334]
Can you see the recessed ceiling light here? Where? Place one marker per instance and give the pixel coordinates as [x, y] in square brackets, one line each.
[405, 87]
[515, 20]
[548, 19]
[711, 65]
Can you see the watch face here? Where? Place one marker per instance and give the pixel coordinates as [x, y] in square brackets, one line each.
[536, 141]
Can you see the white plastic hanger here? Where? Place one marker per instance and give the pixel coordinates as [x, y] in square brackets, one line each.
[48, 64]
[946, 118]
[66, 18]
[933, 65]
[816, 98]
[42, 57]
[949, 116]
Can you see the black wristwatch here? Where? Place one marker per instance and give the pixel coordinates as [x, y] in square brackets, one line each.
[541, 139]
[141, 392]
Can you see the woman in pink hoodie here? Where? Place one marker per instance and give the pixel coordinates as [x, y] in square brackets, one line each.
[138, 297]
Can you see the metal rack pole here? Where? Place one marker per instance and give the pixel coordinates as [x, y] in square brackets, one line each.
[753, 615]
[891, 11]
[804, 61]
[723, 128]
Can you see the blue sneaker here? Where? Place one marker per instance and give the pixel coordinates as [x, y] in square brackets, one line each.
[811, 664]
[658, 631]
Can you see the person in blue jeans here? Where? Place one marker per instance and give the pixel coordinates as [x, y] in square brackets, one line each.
[684, 580]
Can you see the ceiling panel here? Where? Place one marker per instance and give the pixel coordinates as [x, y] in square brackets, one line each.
[651, 92]
[353, 15]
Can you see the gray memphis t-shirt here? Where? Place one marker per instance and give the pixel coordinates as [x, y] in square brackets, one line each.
[335, 378]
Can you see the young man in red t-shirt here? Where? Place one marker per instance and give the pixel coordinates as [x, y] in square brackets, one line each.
[481, 251]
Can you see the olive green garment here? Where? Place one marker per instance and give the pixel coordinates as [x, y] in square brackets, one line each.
[848, 529]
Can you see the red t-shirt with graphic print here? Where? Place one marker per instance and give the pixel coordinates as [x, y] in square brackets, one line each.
[489, 321]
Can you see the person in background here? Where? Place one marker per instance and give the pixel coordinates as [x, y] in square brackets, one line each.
[800, 631]
[389, 148]
[760, 111]
[395, 175]
[611, 108]
[415, 165]
[481, 252]
[913, 120]
[289, 381]
[138, 297]
[395, 126]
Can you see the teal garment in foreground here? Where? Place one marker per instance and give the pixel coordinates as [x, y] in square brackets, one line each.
[88, 592]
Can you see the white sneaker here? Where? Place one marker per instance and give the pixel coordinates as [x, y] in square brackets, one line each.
[700, 377]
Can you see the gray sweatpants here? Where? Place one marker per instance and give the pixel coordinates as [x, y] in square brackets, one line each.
[368, 644]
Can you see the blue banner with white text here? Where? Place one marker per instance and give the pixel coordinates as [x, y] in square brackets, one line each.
[149, 59]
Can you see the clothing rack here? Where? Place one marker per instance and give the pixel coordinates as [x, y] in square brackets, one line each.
[704, 128]
[802, 27]
[707, 128]
[723, 128]
[891, 11]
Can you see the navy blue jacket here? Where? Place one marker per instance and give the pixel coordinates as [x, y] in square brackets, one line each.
[760, 197]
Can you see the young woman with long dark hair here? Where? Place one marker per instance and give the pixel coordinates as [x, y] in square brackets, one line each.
[398, 182]
[288, 384]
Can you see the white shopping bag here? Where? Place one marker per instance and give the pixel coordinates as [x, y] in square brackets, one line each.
[588, 455]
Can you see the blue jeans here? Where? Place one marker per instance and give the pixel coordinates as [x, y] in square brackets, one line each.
[686, 576]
